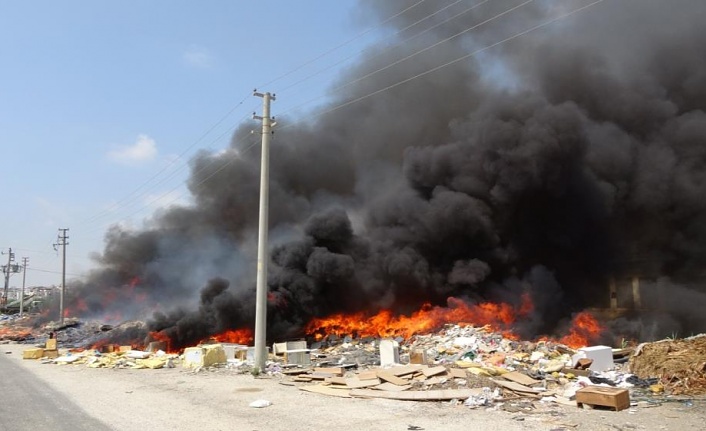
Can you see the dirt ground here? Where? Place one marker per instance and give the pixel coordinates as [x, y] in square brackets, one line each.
[179, 399]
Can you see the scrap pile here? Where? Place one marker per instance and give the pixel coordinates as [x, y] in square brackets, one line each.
[679, 364]
[12, 328]
[474, 365]
[121, 357]
[458, 363]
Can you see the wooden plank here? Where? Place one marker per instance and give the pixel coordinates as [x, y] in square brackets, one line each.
[458, 373]
[318, 376]
[517, 377]
[337, 371]
[387, 386]
[438, 395]
[468, 364]
[335, 380]
[355, 383]
[302, 379]
[432, 381]
[407, 369]
[368, 375]
[428, 372]
[516, 387]
[327, 390]
[388, 377]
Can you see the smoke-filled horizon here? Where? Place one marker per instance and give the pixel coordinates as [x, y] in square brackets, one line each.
[546, 165]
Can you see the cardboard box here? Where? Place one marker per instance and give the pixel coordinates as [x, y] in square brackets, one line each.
[34, 353]
[51, 353]
[418, 356]
[204, 356]
[50, 344]
[615, 398]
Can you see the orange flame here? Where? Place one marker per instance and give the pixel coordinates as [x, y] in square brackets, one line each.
[163, 337]
[237, 336]
[585, 330]
[15, 334]
[500, 316]
[78, 307]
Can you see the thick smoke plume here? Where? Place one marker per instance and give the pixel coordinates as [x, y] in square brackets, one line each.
[549, 164]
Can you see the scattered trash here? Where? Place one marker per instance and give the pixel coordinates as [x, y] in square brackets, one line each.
[485, 398]
[258, 404]
[473, 366]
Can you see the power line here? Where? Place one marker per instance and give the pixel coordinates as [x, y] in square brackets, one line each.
[49, 271]
[180, 156]
[196, 185]
[392, 35]
[464, 57]
[329, 51]
[350, 102]
[375, 72]
[350, 83]
[125, 201]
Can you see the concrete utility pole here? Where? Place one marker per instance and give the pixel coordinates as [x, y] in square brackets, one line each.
[8, 269]
[25, 260]
[62, 241]
[262, 255]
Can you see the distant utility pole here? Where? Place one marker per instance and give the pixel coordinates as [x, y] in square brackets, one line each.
[10, 268]
[262, 255]
[25, 260]
[62, 240]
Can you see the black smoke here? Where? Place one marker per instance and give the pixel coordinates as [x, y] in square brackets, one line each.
[549, 165]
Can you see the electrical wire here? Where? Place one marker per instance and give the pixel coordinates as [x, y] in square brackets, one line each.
[464, 57]
[350, 102]
[358, 36]
[391, 36]
[394, 63]
[123, 201]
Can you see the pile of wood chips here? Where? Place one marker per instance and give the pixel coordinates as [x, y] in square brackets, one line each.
[680, 364]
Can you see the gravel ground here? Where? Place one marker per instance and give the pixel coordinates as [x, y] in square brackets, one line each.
[179, 399]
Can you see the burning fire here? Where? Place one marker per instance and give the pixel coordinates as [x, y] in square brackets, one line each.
[163, 337]
[585, 329]
[15, 334]
[237, 336]
[500, 316]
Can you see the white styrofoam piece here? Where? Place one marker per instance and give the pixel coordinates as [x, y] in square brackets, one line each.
[602, 357]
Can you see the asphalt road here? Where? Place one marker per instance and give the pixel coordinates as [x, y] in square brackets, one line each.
[26, 403]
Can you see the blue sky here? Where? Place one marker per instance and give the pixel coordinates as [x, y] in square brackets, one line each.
[98, 99]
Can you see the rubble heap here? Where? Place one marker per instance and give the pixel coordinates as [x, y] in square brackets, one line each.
[679, 364]
[474, 365]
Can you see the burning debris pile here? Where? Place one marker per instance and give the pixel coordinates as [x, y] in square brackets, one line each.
[518, 182]
[473, 365]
